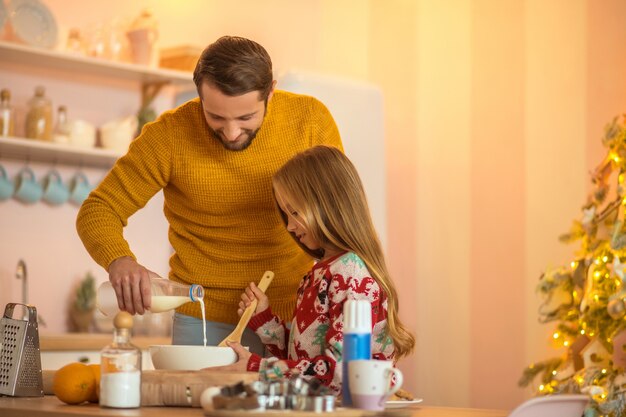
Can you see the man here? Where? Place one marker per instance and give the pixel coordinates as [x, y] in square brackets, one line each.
[213, 157]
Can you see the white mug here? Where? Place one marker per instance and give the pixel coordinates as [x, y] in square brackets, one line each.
[371, 383]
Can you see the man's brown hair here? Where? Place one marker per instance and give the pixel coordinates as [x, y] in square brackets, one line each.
[235, 66]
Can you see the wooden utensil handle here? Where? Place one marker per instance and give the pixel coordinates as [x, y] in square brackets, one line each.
[236, 334]
[265, 281]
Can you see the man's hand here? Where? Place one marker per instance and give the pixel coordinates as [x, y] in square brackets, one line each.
[252, 293]
[131, 282]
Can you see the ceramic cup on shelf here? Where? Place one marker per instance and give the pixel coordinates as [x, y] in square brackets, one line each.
[79, 188]
[6, 185]
[371, 383]
[54, 191]
[27, 189]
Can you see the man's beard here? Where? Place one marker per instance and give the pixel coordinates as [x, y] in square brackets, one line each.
[239, 145]
[251, 134]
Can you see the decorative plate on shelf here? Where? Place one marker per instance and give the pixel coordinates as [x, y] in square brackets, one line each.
[3, 17]
[33, 23]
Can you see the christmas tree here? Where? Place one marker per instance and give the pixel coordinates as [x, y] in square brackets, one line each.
[586, 299]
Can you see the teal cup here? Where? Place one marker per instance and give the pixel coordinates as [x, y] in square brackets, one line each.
[6, 185]
[54, 191]
[79, 188]
[27, 189]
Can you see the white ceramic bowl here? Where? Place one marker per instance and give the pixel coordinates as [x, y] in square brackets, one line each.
[118, 134]
[562, 405]
[190, 358]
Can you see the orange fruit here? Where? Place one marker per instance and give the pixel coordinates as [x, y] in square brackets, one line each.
[74, 383]
[95, 368]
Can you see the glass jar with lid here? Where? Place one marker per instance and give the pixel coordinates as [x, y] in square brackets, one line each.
[39, 116]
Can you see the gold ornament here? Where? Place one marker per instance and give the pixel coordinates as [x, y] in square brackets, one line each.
[616, 308]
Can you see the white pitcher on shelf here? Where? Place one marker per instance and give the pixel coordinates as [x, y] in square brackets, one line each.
[142, 36]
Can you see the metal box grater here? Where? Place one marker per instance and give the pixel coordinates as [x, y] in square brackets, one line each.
[20, 358]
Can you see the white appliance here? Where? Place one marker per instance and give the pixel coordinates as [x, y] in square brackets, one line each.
[358, 110]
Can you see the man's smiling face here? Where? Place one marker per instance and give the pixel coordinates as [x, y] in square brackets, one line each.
[235, 120]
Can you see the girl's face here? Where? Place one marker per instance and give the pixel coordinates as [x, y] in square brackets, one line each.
[295, 221]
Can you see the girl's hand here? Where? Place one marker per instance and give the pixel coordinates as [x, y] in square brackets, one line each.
[249, 295]
[241, 365]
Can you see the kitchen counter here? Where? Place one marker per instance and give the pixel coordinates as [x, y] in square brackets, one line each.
[60, 349]
[91, 341]
[50, 406]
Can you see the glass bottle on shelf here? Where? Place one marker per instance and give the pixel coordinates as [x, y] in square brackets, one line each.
[39, 116]
[61, 133]
[75, 42]
[120, 367]
[115, 39]
[97, 43]
[165, 295]
[7, 114]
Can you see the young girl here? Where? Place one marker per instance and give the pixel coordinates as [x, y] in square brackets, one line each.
[323, 206]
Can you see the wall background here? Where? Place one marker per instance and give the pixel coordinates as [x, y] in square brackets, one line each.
[494, 111]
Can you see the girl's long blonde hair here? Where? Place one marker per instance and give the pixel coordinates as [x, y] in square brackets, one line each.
[325, 189]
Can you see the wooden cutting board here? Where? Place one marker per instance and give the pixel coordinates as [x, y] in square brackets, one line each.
[174, 388]
[183, 389]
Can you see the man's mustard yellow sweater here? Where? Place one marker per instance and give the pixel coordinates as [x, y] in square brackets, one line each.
[223, 223]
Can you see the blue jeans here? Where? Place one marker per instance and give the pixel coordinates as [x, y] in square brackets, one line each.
[187, 330]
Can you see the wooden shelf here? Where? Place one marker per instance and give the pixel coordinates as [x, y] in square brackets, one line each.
[38, 151]
[152, 79]
[44, 58]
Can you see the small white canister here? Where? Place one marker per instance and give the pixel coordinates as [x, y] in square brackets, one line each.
[82, 133]
[117, 134]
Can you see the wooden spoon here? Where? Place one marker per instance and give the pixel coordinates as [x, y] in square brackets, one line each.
[236, 334]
